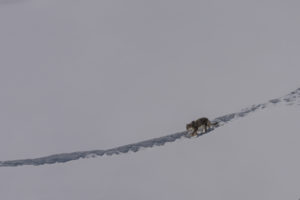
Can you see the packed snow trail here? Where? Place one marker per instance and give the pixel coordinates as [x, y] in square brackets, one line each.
[292, 98]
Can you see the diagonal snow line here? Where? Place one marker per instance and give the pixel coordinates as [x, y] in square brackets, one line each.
[292, 98]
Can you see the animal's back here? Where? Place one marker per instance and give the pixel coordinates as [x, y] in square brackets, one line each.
[202, 121]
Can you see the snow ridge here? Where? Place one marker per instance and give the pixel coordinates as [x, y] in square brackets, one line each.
[293, 98]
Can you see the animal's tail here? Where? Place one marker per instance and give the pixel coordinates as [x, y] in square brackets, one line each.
[215, 124]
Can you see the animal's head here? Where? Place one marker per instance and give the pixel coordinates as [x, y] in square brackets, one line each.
[190, 126]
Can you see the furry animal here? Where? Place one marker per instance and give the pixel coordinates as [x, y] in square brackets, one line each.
[203, 123]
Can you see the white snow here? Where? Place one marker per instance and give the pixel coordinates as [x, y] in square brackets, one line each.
[85, 75]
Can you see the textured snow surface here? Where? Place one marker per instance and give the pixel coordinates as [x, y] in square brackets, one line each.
[292, 98]
[88, 75]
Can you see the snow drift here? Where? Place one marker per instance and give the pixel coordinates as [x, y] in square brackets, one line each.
[290, 99]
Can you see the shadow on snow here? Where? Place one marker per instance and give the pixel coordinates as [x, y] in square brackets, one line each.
[290, 99]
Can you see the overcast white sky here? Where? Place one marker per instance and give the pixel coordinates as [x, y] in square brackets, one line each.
[82, 75]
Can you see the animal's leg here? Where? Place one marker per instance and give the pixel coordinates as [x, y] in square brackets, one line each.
[209, 125]
[195, 132]
[202, 128]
